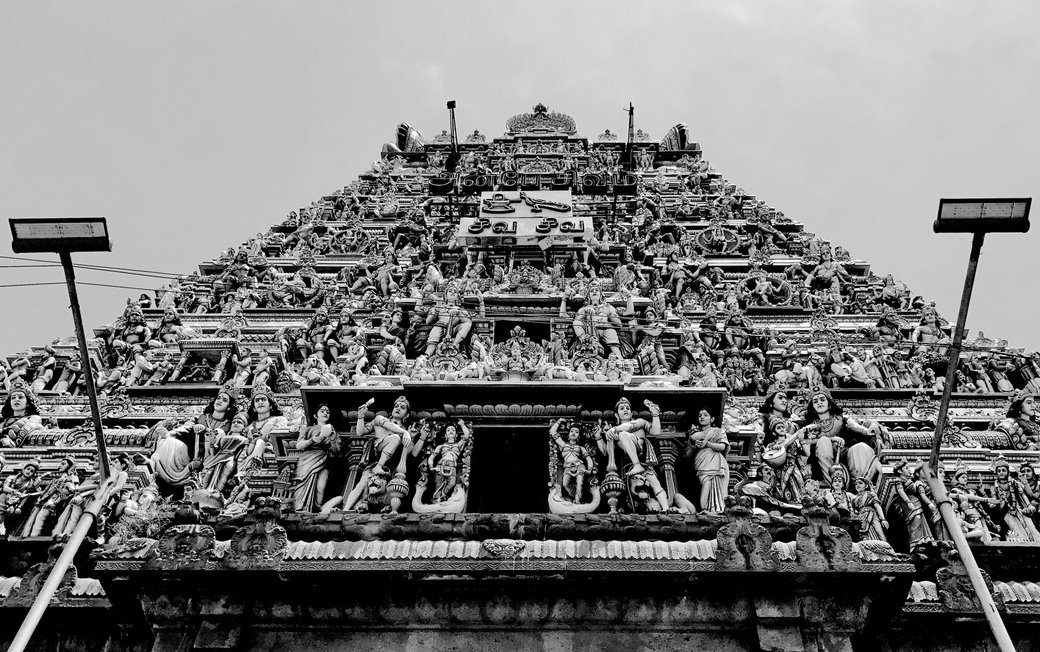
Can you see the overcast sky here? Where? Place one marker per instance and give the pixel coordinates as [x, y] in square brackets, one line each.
[193, 126]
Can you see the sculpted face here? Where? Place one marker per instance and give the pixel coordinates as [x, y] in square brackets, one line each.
[1028, 406]
[704, 418]
[221, 403]
[323, 414]
[861, 485]
[780, 402]
[450, 435]
[400, 411]
[261, 404]
[238, 424]
[821, 403]
[1027, 473]
[624, 411]
[1002, 472]
[19, 401]
[573, 434]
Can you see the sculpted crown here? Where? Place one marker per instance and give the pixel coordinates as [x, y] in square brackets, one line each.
[541, 121]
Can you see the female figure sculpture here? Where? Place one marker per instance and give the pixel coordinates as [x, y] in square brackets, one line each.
[1014, 505]
[1023, 411]
[866, 508]
[222, 452]
[832, 431]
[784, 447]
[317, 442]
[708, 445]
[911, 494]
[19, 415]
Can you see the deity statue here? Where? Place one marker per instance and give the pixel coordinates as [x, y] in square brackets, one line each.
[1014, 507]
[928, 335]
[316, 442]
[598, 321]
[911, 496]
[827, 275]
[1022, 412]
[830, 433]
[448, 319]
[630, 435]
[390, 436]
[222, 452]
[180, 452]
[447, 465]
[20, 416]
[575, 470]
[784, 448]
[867, 510]
[15, 493]
[59, 488]
[708, 445]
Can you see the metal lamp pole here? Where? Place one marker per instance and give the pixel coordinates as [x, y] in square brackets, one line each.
[975, 216]
[64, 236]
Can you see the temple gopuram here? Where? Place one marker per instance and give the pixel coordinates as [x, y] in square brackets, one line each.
[535, 392]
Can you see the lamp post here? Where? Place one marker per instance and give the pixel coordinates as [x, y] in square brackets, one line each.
[978, 217]
[63, 236]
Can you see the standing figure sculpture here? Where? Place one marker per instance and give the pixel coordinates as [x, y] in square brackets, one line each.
[598, 321]
[574, 464]
[1014, 507]
[708, 446]
[448, 465]
[448, 319]
[222, 453]
[316, 442]
[911, 495]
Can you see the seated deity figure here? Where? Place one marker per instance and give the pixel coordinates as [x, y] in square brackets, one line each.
[180, 452]
[390, 436]
[827, 275]
[134, 328]
[448, 319]
[576, 463]
[928, 336]
[630, 434]
[830, 434]
[598, 321]
[264, 415]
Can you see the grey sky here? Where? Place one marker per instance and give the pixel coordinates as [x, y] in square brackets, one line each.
[194, 126]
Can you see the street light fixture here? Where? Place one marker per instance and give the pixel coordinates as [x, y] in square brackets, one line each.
[63, 236]
[978, 217]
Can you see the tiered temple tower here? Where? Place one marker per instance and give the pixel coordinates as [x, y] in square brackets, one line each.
[539, 390]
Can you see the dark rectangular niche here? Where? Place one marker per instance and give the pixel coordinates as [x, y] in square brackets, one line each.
[509, 472]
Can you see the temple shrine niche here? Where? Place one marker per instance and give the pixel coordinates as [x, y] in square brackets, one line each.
[533, 358]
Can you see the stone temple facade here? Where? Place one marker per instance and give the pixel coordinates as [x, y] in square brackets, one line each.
[539, 391]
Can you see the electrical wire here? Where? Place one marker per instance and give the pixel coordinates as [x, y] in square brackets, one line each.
[99, 285]
[122, 270]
